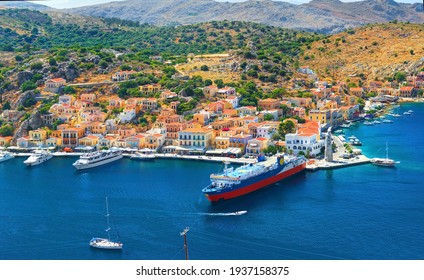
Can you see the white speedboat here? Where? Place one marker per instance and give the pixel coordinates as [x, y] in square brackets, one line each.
[141, 156]
[106, 243]
[145, 154]
[38, 157]
[6, 156]
[97, 158]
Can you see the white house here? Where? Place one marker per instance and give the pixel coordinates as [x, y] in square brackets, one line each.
[227, 91]
[233, 100]
[127, 115]
[66, 99]
[306, 140]
[265, 131]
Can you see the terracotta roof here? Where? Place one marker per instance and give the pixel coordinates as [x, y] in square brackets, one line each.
[57, 80]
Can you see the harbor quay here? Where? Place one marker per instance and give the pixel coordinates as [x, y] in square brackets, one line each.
[337, 160]
[323, 164]
[312, 165]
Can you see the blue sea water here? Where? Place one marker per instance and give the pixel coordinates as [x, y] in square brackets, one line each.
[51, 211]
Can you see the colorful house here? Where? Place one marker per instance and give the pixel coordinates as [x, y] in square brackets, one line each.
[90, 141]
[53, 142]
[54, 85]
[240, 141]
[108, 141]
[196, 138]
[37, 137]
[122, 75]
[135, 141]
[154, 141]
[23, 142]
[5, 141]
[257, 145]
[71, 136]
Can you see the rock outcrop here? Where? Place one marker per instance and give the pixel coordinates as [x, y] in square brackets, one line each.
[33, 122]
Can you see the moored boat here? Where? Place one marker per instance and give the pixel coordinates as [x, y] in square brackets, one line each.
[385, 162]
[6, 156]
[38, 157]
[97, 158]
[232, 183]
[145, 154]
[106, 243]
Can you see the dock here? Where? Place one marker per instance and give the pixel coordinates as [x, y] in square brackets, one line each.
[322, 164]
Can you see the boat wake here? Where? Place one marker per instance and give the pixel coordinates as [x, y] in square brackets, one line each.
[237, 213]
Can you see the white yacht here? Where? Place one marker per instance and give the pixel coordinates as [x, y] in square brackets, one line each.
[97, 158]
[39, 156]
[145, 154]
[6, 156]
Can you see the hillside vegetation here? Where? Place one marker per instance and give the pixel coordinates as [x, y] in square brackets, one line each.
[372, 52]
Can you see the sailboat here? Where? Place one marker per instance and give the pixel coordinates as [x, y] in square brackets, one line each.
[386, 162]
[106, 243]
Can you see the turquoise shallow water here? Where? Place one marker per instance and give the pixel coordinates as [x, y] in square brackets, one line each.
[365, 212]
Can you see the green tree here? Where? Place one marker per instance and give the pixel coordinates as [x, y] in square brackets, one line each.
[208, 82]
[28, 85]
[285, 109]
[286, 127]
[278, 93]
[52, 61]
[6, 105]
[268, 117]
[400, 76]
[69, 90]
[219, 83]
[125, 67]
[6, 130]
[204, 68]
[36, 66]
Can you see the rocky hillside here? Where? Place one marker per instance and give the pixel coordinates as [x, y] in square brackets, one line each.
[372, 51]
[327, 16]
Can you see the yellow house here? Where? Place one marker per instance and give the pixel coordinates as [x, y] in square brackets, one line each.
[108, 141]
[90, 140]
[38, 134]
[321, 116]
[96, 127]
[257, 145]
[222, 142]
[154, 141]
[53, 142]
[37, 137]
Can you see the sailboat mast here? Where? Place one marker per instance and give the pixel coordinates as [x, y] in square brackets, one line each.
[387, 151]
[107, 218]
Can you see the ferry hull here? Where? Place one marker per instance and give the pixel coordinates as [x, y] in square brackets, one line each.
[95, 164]
[215, 197]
